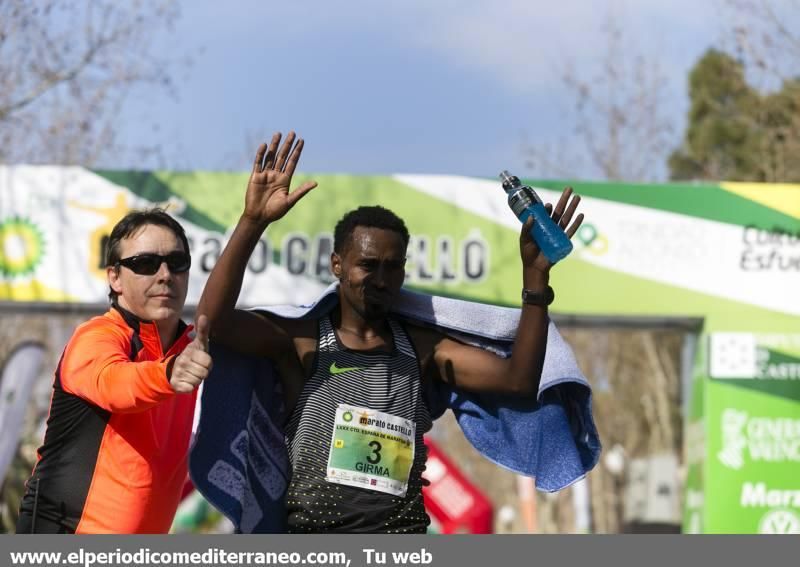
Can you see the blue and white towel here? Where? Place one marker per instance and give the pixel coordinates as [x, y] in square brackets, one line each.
[239, 460]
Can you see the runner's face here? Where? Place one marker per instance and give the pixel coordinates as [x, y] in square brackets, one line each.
[158, 297]
[371, 271]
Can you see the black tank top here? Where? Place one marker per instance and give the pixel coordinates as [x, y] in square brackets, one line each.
[386, 382]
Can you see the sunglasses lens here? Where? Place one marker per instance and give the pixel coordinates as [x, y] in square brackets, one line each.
[178, 262]
[149, 264]
[144, 264]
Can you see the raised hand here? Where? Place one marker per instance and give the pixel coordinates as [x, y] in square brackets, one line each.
[193, 365]
[268, 197]
[532, 257]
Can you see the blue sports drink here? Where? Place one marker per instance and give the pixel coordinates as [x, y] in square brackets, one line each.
[524, 201]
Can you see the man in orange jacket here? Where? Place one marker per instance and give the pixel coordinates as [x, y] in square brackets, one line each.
[117, 439]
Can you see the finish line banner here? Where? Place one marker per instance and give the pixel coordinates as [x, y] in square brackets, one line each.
[393, 551]
[646, 250]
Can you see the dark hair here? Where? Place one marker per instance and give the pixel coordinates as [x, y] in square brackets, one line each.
[375, 217]
[132, 222]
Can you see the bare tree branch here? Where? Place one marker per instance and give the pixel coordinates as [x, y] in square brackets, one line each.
[67, 68]
[766, 37]
[621, 129]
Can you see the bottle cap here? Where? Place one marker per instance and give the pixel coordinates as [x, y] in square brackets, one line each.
[508, 180]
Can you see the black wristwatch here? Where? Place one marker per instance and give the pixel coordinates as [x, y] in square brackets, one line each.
[545, 297]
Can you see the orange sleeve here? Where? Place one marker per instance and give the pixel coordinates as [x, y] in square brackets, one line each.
[96, 367]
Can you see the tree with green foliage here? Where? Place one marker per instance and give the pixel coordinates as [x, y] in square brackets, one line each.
[734, 132]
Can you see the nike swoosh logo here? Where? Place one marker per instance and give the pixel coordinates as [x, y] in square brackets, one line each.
[336, 370]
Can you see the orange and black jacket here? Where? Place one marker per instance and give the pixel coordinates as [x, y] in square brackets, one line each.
[114, 458]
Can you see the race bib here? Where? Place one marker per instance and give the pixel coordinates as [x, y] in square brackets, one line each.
[371, 449]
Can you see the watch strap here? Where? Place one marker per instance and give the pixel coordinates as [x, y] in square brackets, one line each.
[543, 298]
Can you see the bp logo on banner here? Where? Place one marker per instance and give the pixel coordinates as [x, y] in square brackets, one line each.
[21, 247]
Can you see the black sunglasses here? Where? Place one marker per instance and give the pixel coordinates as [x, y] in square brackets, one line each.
[149, 264]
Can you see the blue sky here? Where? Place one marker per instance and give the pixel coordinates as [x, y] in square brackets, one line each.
[436, 86]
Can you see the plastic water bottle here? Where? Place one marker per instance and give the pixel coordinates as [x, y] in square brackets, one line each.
[524, 201]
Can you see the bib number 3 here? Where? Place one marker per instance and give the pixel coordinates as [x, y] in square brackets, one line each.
[375, 458]
[371, 449]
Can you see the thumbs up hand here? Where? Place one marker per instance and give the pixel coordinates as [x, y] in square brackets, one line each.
[193, 365]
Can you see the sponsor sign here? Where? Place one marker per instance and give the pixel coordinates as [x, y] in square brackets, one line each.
[750, 476]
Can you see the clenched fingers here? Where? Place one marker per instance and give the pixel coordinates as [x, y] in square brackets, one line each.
[191, 367]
